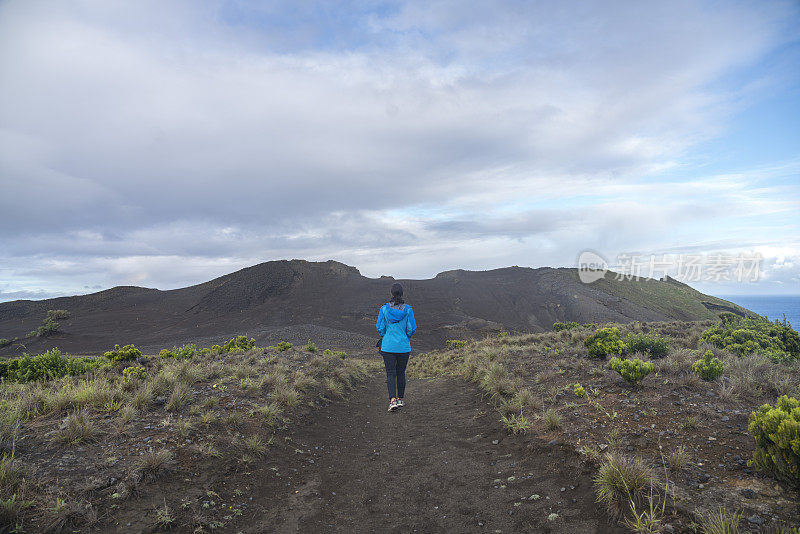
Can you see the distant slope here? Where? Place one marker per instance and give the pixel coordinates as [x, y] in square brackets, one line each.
[335, 305]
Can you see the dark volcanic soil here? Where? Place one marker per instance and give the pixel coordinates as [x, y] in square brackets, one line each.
[441, 464]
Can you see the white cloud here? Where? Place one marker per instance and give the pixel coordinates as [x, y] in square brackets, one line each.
[152, 134]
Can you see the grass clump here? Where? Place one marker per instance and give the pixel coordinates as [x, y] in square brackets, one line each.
[569, 325]
[256, 445]
[777, 434]
[516, 423]
[623, 482]
[656, 347]
[180, 397]
[5, 342]
[746, 336]
[720, 522]
[455, 343]
[678, 459]
[708, 367]
[633, 371]
[603, 342]
[335, 353]
[311, 347]
[154, 463]
[123, 354]
[77, 427]
[164, 517]
[552, 419]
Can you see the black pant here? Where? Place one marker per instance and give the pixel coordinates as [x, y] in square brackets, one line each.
[395, 363]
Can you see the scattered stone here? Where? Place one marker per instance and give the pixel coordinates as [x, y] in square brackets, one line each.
[756, 519]
[748, 493]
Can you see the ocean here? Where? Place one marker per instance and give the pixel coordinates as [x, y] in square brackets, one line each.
[774, 307]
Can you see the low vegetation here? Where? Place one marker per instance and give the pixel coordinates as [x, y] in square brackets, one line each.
[605, 341]
[776, 430]
[776, 340]
[708, 367]
[47, 366]
[655, 347]
[632, 371]
[123, 354]
[672, 453]
[139, 418]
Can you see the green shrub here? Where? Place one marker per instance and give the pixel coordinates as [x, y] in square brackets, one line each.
[579, 391]
[56, 315]
[184, 352]
[746, 336]
[502, 335]
[124, 354]
[216, 348]
[164, 353]
[557, 327]
[604, 342]
[47, 328]
[777, 434]
[50, 365]
[32, 333]
[708, 367]
[239, 343]
[284, 346]
[134, 372]
[633, 371]
[455, 343]
[656, 347]
[4, 342]
[311, 347]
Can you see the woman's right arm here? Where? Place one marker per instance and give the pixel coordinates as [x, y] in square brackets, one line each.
[411, 325]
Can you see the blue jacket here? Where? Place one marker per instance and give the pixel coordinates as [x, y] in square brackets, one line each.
[396, 326]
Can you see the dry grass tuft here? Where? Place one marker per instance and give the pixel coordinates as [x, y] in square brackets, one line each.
[77, 427]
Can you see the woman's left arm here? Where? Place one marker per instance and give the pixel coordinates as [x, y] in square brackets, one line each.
[381, 324]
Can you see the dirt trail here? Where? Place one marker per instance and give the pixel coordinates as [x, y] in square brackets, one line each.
[441, 464]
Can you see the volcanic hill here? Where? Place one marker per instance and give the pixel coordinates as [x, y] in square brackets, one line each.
[334, 305]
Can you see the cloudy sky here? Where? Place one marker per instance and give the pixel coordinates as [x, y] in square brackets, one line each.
[163, 143]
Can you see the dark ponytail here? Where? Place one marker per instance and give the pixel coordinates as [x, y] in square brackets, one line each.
[397, 294]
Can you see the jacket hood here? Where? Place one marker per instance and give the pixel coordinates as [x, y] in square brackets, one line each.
[395, 315]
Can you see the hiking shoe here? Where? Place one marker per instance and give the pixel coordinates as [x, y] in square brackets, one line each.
[400, 403]
[393, 406]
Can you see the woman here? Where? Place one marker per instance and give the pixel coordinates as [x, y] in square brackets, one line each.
[396, 325]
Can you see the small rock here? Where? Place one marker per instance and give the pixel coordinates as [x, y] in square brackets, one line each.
[552, 442]
[748, 493]
[756, 519]
[495, 441]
